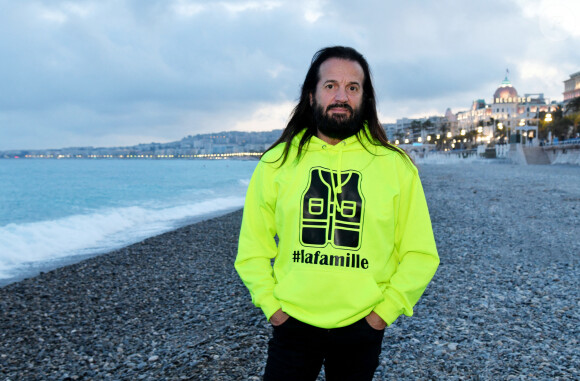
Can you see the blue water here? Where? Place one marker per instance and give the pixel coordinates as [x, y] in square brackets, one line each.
[57, 211]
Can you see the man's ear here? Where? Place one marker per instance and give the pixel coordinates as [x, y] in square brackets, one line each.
[310, 96]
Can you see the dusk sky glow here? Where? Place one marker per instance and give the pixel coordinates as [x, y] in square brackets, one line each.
[124, 72]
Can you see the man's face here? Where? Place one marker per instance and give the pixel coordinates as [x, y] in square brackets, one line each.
[338, 99]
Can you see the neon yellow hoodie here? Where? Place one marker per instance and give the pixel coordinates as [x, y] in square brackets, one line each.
[353, 228]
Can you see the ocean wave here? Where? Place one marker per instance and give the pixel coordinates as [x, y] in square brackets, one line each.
[100, 231]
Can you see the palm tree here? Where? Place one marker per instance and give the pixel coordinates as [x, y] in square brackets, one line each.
[573, 106]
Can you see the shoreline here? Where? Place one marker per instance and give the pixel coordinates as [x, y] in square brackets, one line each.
[33, 269]
[502, 305]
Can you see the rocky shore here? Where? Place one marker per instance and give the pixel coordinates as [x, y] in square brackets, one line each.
[504, 304]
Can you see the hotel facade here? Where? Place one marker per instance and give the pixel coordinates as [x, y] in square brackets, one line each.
[510, 117]
[572, 87]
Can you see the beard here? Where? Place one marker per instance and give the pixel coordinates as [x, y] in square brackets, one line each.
[337, 126]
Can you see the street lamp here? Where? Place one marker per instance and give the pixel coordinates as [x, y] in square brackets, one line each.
[522, 129]
[548, 119]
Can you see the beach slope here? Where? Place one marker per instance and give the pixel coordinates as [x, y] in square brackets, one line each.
[504, 303]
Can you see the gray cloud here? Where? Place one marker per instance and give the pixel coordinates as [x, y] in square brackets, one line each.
[124, 72]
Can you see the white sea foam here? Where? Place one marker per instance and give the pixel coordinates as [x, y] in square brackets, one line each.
[101, 231]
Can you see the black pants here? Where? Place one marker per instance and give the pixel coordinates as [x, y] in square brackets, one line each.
[298, 350]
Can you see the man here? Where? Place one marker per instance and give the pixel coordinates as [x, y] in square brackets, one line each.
[355, 245]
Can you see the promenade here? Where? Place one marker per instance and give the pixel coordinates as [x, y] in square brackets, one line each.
[504, 304]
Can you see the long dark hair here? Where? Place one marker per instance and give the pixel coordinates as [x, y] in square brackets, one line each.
[302, 116]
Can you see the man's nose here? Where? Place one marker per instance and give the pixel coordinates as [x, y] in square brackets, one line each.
[340, 95]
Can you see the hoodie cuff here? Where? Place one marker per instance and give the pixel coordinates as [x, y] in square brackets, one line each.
[386, 312]
[270, 307]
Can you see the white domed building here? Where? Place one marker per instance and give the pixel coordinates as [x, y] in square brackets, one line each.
[515, 116]
[505, 107]
[509, 118]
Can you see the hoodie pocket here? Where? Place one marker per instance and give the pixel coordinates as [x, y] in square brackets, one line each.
[327, 297]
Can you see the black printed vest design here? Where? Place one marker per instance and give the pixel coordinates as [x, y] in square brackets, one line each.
[330, 217]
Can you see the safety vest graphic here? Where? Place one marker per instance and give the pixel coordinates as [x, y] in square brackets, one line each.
[332, 212]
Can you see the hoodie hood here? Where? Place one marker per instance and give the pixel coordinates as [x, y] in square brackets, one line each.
[351, 143]
[357, 142]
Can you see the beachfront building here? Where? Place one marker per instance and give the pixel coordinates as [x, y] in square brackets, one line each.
[390, 130]
[416, 131]
[403, 130]
[518, 117]
[400, 131]
[572, 87]
[476, 122]
[509, 118]
[450, 126]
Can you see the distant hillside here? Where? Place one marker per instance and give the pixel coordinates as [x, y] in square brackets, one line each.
[222, 143]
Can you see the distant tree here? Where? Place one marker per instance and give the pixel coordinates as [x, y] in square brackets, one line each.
[427, 124]
[576, 121]
[573, 106]
[471, 135]
[415, 126]
[562, 128]
[572, 113]
[543, 126]
[443, 129]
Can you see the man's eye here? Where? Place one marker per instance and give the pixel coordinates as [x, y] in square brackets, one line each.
[329, 86]
[353, 88]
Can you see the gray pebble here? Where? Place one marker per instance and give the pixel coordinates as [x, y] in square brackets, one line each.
[504, 303]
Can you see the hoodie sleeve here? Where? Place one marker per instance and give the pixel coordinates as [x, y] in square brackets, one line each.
[256, 246]
[415, 250]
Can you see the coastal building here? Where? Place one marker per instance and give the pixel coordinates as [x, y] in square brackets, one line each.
[572, 87]
[478, 119]
[420, 130]
[510, 116]
[518, 117]
[451, 127]
[390, 129]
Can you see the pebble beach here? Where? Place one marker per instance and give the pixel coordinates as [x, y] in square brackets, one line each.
[504, 304]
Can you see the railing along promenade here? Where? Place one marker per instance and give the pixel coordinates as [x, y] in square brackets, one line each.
[459, 153]
[564, 144]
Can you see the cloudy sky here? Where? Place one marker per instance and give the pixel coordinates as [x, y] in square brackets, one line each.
[123, 72]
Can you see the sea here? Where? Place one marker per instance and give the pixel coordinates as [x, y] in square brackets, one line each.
[57, 212]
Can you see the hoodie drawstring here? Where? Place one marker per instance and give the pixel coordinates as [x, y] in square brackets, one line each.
[337, 188]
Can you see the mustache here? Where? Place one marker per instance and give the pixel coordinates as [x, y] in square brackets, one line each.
[340, 105]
